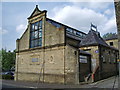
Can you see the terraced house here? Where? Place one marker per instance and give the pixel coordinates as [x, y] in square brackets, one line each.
[49, 51]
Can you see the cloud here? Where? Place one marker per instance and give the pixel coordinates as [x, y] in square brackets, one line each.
[3, 31]
[81, 18]
[98, 6]
[90, 0]
[110, 12]
[110, 26]
[20, 29]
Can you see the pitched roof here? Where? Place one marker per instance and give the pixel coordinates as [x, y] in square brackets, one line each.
[93, 38]
[114, 36]
[70, 35]
[35, 12]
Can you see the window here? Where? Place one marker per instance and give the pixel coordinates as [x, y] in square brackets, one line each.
[75, 32]
[111, 43]
[103, 59]
[109, 56]
[83, 59]
[54, 23]
[36, 34]
[69, 30]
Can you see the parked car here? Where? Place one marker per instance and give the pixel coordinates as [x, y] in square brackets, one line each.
[7, 75]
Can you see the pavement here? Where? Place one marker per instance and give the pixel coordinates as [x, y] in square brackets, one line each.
[111, 82]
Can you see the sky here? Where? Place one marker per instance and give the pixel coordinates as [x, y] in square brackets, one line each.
[78, 15]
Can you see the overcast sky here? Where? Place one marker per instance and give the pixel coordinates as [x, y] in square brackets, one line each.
[78, 15]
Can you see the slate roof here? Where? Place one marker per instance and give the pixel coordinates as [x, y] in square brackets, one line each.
[73, 37]
[70, 35]
[84, 52]
[93, 38]
[114, 36]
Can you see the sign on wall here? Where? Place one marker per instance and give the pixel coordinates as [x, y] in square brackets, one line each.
[83, 59]
[34, 59]
[96, 51]
[93, 64]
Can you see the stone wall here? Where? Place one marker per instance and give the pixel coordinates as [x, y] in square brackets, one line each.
[53, 35]
[45, 63]
[71, 65]
[93, 50]
[117, 10]
[115, 42]
[108, 60]
[72, 42]
[105, 58]
[23, 42]
[49, 67]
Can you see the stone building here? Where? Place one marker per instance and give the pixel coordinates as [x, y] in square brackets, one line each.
[103, 56]
[48, 52]
[112, 41]
[117, 12]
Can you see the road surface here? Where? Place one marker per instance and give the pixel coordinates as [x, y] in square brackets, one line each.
[106, 83]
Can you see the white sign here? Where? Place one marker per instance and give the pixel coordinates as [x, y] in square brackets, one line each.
[93, 64]
[83, 59]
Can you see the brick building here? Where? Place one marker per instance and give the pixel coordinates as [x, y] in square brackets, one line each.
[48, 52]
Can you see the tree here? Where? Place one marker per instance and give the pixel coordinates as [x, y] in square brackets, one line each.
[109, 35]
[7, 59]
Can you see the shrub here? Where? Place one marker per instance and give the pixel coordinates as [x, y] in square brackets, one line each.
[7, 77]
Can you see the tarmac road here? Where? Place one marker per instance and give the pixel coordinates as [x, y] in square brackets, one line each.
[106, 83]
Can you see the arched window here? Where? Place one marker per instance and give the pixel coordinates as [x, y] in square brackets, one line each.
[36, 34]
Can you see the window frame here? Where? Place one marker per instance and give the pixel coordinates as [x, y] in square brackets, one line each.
[36, 34]
[111, 43]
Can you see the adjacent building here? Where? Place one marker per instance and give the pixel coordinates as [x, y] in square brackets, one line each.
[103, 56]
[112, 41]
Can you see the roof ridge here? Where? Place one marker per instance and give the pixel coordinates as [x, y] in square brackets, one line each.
[35, 10]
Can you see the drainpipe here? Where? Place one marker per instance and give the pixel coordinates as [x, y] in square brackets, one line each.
[17, 59]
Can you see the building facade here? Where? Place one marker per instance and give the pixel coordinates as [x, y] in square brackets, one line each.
[51, 52]
[112, 41]
[103, 57]
[48, 52]
[117, 10]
